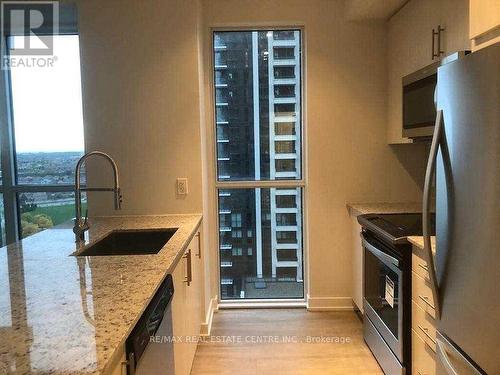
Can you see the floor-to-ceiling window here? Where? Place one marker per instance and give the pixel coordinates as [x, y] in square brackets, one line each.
[42, 140]
[257, 79]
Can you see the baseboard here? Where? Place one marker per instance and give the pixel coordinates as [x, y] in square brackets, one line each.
[213, 307]
[329, 303]
[358, 311]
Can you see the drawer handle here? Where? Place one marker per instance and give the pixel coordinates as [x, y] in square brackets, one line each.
[198, 235]
[189, 277]
[425, 331]
[426, 301]
[426, 269]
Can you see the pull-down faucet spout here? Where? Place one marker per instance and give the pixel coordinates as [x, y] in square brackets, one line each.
[81, 224]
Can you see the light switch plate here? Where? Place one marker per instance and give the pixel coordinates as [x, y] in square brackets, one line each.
[182, 186]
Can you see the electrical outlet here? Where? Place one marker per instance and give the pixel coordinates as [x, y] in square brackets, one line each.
[182, 186]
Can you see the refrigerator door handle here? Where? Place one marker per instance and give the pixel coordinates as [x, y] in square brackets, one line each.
[446, 352]
[443, 357]
[426, 217]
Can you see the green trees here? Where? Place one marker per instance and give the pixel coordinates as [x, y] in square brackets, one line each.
[32, 224]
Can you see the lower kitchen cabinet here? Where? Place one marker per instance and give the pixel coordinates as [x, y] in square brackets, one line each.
[119, 366]
[357, 264]
[423, 358]
[423, 317]
[186, 306]
[194, 300]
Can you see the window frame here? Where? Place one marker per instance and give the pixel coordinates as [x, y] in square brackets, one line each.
[9, 188]
[221, 184]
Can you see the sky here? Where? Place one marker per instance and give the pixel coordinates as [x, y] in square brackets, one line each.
[47, 102]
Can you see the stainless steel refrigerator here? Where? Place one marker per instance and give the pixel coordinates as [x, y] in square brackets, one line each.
[465, 155]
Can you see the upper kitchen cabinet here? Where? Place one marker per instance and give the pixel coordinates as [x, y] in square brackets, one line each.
[484, 22]
[455, 21]
[414, 41]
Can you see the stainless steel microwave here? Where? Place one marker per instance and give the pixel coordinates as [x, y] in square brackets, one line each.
[419, 89]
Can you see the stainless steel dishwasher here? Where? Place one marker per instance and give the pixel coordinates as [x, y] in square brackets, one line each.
[149, 347]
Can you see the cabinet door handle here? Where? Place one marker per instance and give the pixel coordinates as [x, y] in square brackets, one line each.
[425, 331]
[189, 271]
[433, 43]
[437, 33]
[426, 269]
[199, 244]
[439, 51]
[426, 301]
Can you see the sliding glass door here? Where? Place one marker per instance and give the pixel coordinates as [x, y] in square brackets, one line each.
[257, 84]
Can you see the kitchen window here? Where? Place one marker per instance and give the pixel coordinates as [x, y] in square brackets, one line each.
[260, 186]
[42, 140]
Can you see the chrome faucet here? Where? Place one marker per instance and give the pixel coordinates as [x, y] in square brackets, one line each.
[82, 225]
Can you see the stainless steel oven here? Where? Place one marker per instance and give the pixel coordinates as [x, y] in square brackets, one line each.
[387, 286]
[386, 310]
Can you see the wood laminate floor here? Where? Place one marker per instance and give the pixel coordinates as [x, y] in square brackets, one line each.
[278, 341]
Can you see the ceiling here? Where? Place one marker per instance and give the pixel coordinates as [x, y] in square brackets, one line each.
[372, 9]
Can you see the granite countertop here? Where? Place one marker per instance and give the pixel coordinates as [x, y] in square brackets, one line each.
[61, 314]
[356, 209]
[418, 241]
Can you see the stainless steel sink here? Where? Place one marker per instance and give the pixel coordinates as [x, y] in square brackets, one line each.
[130, 242]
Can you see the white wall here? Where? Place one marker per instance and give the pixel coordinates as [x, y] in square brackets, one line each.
[347, 155]
[141, 92]
[141, 101]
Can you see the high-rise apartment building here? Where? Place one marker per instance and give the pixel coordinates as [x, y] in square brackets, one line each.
[258, 118]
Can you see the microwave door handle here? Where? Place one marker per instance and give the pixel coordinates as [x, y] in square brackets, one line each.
[386, 258]
[426, 217]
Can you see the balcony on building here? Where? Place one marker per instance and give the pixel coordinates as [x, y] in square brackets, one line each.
[284, 73]
[284, 35]
[226, 281]
[286, 110]
[284, 90]
[219, 43]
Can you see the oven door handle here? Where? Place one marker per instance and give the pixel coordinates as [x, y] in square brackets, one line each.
[386, 258]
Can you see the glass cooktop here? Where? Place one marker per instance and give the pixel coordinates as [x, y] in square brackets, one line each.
[396, 225]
